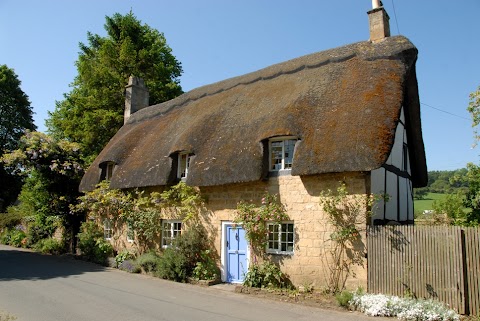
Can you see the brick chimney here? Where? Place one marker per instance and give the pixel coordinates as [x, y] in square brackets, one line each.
[136, 96]
[379, 22]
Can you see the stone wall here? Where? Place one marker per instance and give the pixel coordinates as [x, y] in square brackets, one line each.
[300, 195]
[309, 264]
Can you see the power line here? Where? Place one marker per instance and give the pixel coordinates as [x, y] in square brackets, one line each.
[395, 14]
[446, 112]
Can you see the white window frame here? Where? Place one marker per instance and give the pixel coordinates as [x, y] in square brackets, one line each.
[170, 230]
[109, 171]
[271, 241]
[282, 166]
[184, 159]
[107, 229]
[130, 233]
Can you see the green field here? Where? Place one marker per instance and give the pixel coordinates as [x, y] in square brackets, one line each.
[426, 204]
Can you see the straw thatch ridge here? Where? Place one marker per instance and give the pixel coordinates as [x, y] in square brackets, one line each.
[343, 104]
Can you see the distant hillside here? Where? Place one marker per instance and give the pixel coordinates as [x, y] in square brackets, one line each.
[444, 182]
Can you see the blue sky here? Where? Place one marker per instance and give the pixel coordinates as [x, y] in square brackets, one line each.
[219, 39]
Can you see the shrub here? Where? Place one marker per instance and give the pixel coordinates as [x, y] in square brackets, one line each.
[206, 268]
[11, 218]
[102, 251]
[344, 298]
[49, 246]
[89, 233]
[122, 256]
[265, 275]
[40, 227]
[129, 266]
[172, 266]
[148, 261]
[4, 236]
[91, 243]
[13, 237]
[179, 261]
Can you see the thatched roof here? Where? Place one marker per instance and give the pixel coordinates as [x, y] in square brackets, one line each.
[343, 104]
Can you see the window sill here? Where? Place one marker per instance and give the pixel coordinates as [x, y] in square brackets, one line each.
[279, 253]
[281, 172]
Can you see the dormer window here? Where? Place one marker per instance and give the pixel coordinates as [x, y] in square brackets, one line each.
[183, 164]
[107, 171]
[281, 153]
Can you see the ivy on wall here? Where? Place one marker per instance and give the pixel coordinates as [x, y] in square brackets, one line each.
[140, 210]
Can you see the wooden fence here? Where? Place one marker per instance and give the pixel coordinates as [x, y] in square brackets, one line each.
[426, 262]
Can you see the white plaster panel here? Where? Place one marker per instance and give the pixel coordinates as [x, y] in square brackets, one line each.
[403, 189]
[391, 206]
[397, 150]
[410, 202]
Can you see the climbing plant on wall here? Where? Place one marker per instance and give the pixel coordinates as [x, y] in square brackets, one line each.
[254, 220]
[140, 210]
[347, 215]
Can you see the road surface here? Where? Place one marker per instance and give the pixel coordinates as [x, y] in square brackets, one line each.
[36, 287]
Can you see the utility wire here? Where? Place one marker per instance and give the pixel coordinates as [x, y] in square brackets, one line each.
[395, 14]
[441, 110]
[446, 112]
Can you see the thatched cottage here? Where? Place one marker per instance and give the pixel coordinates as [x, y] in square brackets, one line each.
[296, 128]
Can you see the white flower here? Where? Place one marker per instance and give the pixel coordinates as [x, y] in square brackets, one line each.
[404, 309]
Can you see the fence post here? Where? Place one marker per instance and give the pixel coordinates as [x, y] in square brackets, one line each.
[466, 294]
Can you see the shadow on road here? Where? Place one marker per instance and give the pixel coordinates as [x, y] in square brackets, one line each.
[19, 264]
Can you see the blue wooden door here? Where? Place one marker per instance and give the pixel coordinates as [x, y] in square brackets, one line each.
[237, 262]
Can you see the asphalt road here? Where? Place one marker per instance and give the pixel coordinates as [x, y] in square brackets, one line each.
[41, 287]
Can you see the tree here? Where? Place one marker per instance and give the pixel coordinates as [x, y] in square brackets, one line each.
[452, 207]
[92, 112]
[474, 110]
[420, 193]
[15, 118]
[53, 169]
[472, 199]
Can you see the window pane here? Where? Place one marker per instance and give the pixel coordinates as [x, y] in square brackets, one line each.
[271, 237]
[289, 148]
[281, 154]
[276, 155]
[290, 237]
[182, 165]
[281, 237]
[271, 245]
[170, 230]
[290, 228]
[107, 229]
[109, 172]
